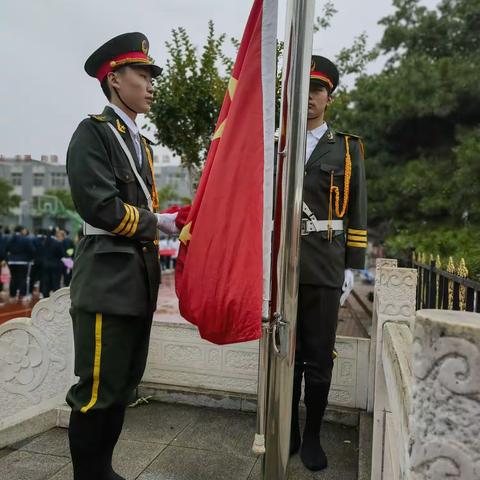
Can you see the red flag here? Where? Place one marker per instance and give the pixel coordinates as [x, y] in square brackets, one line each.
[221, 264]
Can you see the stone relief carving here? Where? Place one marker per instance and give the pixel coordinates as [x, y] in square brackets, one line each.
[457, 359]
[345, 349]
[395, 293]
[239, 360]
[183, 355]
[27, 353]
[446, 397]
[443, 461]
[339, 396]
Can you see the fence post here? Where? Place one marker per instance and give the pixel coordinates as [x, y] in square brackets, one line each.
[380, 263]
[395, 292]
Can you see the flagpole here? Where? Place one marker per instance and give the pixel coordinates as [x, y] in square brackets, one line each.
[288, 206]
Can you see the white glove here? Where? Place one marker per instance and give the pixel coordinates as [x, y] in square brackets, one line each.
[347, 286]
[166, 223]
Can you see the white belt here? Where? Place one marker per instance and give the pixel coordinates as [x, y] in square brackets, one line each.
[309, 226]
[90, 230]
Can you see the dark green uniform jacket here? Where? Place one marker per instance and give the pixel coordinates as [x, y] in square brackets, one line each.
[323, 262]
[118, 274]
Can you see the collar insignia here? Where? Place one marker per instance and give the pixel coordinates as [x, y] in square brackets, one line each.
[121, 128]
[329, 135]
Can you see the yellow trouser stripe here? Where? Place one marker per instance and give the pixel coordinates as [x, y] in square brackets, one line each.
[356, 244]
[131, 220]
[136, 216]
[357, 232]
[96, 363]
[356, 238]
[124, 220]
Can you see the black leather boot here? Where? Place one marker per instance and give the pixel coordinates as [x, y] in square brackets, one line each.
[113, 428]
[85, 436]
[295, 439]
[312, 454]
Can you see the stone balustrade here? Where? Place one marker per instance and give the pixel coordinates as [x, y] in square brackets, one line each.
[427, 386]
[36, 368]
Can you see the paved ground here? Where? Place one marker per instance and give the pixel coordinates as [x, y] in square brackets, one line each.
[177, 442]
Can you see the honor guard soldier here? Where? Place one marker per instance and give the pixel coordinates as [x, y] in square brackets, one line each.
[333, 241]
[116, 275]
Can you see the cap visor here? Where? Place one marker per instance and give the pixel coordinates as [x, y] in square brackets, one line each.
[154, 69]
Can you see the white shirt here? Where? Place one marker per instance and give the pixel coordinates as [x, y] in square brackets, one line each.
[132, 128]
[313, 136]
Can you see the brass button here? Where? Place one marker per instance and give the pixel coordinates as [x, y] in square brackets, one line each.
[145, 249]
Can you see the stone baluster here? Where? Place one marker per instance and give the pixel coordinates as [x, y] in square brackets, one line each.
[395, 293]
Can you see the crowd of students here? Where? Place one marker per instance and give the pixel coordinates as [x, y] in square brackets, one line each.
[43, 260]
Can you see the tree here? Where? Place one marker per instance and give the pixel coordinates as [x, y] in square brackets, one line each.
[189, 94]
[64, 196]
[420, 119]
[167, 195]
[7, 199]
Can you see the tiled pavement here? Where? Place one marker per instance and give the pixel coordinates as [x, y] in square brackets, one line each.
[177, 442]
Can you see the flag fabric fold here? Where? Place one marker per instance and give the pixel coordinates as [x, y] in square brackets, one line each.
[222, 275]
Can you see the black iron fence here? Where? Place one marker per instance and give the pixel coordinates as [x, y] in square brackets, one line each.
[445, 289]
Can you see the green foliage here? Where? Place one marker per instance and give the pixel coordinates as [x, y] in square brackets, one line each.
[443, 240]
[189, 94]
[420, 121]
[168, 195]
[64, 196]
[7, 199]
[323, 21]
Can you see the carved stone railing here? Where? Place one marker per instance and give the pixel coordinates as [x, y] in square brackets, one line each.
[427, 386]
[36, 367]
[180, 360]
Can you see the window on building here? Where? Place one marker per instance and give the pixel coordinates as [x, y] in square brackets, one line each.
[16, 179]
[59, 179]
[38, 179]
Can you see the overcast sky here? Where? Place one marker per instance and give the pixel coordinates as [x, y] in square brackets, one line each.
[44, 90]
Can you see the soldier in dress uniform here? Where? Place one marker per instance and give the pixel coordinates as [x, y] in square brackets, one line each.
[116, 275]
[333, 241]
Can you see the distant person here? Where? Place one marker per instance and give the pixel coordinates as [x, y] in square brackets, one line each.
[20, 252]
[69, 251]
[174, 245]
[36, 270]
[51, 264]
[4, 235]
[163, 251]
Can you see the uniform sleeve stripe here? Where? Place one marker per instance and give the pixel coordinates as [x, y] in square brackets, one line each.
[352, 231]
[131, 220]
[136, 216]
[357, 238]
[125, 219]
[356, 244]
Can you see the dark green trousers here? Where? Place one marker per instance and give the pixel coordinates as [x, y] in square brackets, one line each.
[110, 357]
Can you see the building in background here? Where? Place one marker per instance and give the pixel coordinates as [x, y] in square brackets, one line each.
[31, 179]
